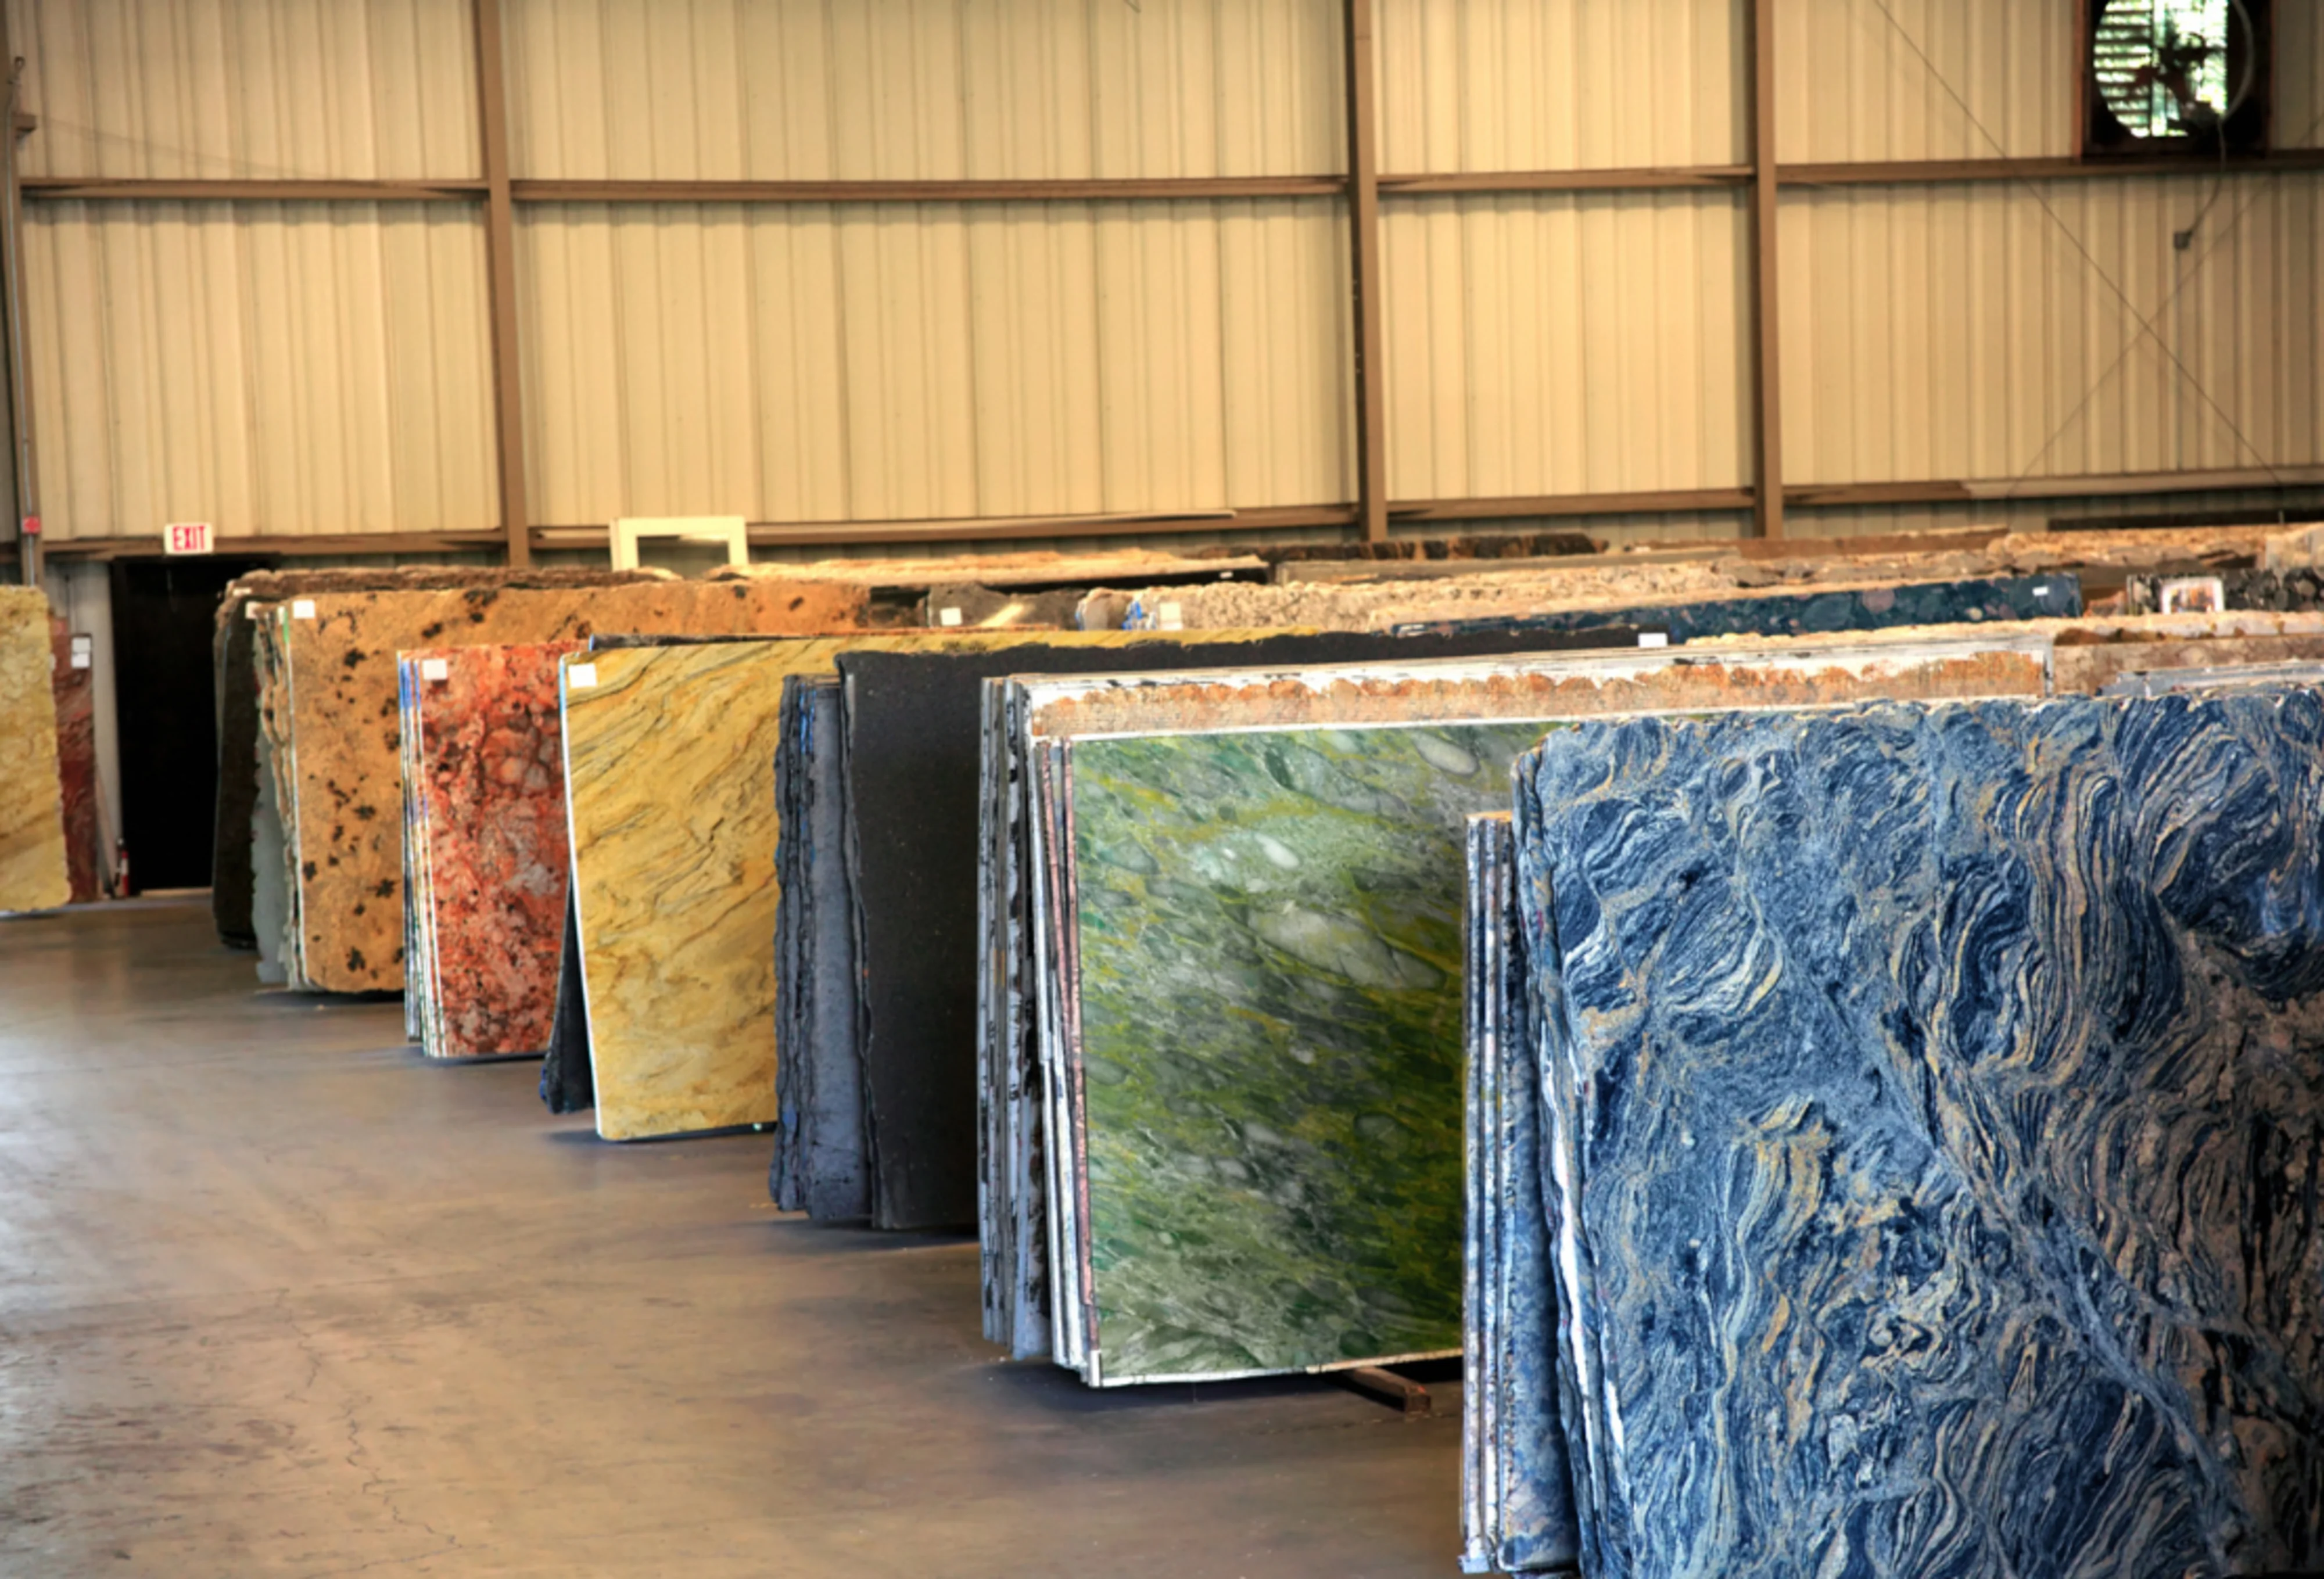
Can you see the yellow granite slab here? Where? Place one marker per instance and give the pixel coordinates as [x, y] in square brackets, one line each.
[670, 763]
[334, 661]
[33, 874]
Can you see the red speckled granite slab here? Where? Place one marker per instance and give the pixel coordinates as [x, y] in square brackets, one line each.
[489, 865]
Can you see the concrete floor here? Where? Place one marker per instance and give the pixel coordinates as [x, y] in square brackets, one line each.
[276, 1297]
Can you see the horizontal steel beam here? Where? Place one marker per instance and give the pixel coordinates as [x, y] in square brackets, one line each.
[1158, 189]
[1404, 513]
[1162, 189]
[96, 188]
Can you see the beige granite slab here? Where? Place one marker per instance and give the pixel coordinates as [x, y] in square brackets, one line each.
[328, 707]
[32, 869]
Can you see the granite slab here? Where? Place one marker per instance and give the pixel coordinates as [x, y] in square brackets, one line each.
[1936, 1101]
[1025, 1203]
[1516, 1489]
[566, 1083]
[819, 1162]
[335, 738]
[33, 874]
[670, 756]
[1824, 611]
[233, 874]
[914, 750]
[76, 704]
[491, 864]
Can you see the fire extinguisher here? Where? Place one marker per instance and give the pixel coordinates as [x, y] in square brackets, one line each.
[121, 889]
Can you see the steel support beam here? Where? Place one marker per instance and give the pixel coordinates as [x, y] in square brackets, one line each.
[499, 258]
[1364, 261]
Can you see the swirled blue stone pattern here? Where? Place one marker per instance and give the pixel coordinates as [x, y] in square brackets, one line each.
[1936, 1102]
[1271, 932]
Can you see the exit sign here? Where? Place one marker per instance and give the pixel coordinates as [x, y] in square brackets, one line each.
[187, 537]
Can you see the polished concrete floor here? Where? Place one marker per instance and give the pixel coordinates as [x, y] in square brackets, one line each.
[277, 1298]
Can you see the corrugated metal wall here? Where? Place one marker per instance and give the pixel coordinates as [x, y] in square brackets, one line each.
[274, 368]
[284, 367]
[2001, 331]
[1557, 343]
[799, 362]
[922, 89]
[1505, 85]
[249, 90]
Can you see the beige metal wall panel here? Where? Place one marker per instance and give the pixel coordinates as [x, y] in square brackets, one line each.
[249, 90]
[1961, 332]
[923, 89]
[1549, 343]
[1850, 85]
[1506, 84]
[272, 369]
[794, 361]
[2299, 27]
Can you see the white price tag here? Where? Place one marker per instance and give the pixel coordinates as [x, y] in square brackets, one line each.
[1170, 616]
[947, 616]
[435, 669]
[582, 677]
[302, 608]
[84, 651]
[1654, 638]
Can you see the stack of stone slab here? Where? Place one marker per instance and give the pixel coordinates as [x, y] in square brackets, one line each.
[34, 871]
[1925, 1092]
[1219, 1076]
[331, 904]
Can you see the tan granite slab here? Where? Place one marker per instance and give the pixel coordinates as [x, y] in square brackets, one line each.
[329, 707]
[33, 871]
[669, 756]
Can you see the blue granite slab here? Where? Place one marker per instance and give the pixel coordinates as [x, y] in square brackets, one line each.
[1814, 613]
[1516, 1489]
[819, 1165]
[1937, 1127]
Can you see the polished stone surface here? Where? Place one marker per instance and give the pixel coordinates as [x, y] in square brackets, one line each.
[671, 755]
[1811, 613]
[1269, 1063]
[336, 736]
[284, 1301]
[491, 864]
[1516, 1489]
[1938, 1121]
[1023, 1203]
[913, 737]
[76, 704]
[32, 870]
[819, 1165]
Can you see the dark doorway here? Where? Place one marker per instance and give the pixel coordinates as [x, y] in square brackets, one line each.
[164, 612]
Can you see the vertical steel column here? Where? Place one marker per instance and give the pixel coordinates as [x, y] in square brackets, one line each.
[499, 258]
[1364, 249]
[1766, 358]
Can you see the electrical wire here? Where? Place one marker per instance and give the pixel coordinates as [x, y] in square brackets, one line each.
[2146, 323]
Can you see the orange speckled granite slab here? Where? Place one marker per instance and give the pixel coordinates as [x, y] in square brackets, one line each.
[487, 860]
[333, 726]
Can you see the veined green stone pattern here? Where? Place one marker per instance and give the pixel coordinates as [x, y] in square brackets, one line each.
[1266, 1078]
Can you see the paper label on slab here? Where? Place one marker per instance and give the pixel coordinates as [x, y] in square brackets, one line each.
[581, 677]
[302, 608]
[949, 617]
[435, 669]
[1654, 638]
[1170, 616]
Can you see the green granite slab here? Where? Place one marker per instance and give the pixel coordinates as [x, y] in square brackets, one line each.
[1268, 1064]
